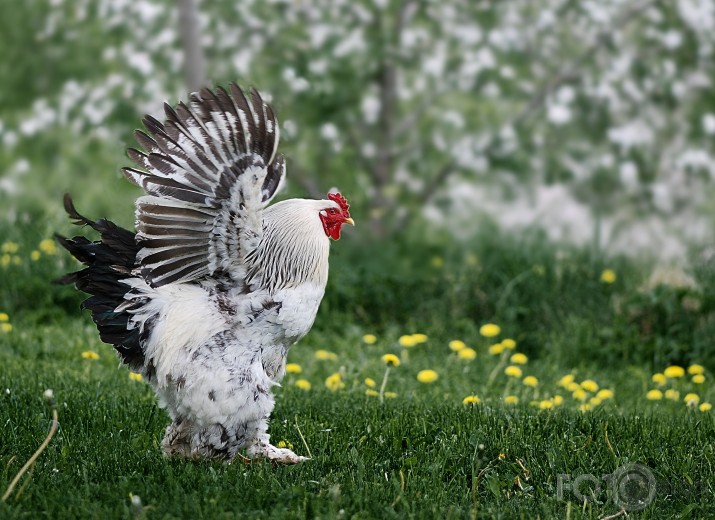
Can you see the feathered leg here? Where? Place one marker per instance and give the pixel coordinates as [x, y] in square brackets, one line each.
[220, 401]
[182, 439]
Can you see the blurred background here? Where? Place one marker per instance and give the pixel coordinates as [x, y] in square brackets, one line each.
[456, 128]
[592, 121]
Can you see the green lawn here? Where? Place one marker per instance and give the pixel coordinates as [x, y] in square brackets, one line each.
[421, 452]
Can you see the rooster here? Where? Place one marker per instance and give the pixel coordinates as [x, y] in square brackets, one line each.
[208, 295]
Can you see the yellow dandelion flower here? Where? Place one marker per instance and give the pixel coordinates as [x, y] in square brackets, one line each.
[10, 248]
[695, 369]
[502, 456]
[391, 360]
[654, 395]
[48, 246]
[659, 379]
[35, 255]
[698, 379]
[705, 407]
[6, 327]
[325, 355]
[471, 399]
[604, 394]
[595, 401]
[284, 444]
[573, 386]
[579, 394]
[557, 400]
[519, 359]
[512, 371]
[509, 343]
[437, 262]
[407, 341]
[566, 380]
[489, 330]
[5, 260]
[585, 407]
[427, 376]
[370, 382]
[589, 385]
[546, 404]
[531, 381]
[511, 399]
[369, 339]
[674, 371]
[496, 349]
[303, 384]
[4, 317]
[390, 395]
[371, 392]
[608, 276]
[419, 338]
[90, 354]
[672, 394]
[134, 376]
[294, 368]
[456, 345]
[467, 353]
[334, 382]
[691, 399]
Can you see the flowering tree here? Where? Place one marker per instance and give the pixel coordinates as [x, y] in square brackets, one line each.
[583, 117]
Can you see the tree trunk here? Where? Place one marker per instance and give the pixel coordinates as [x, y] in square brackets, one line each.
[190, 32]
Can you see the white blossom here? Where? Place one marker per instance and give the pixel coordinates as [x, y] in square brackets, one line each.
[558, 114]
[329, 132]
[370, 108]
[709, 123]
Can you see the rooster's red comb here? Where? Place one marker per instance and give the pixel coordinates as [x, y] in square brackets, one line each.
[336, 197]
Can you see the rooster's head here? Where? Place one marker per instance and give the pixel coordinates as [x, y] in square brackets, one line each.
[335, 215]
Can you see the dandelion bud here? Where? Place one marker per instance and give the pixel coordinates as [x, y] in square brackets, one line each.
[49, 397]
[136, 504]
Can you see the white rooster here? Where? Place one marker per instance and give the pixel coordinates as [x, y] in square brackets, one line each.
[210, 293]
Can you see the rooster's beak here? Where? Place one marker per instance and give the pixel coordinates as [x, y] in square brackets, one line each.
[349, 221]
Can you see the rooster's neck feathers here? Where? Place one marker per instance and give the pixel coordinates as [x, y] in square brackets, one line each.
[294, 249]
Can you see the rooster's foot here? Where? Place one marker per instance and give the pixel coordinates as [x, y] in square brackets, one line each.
[279, 455]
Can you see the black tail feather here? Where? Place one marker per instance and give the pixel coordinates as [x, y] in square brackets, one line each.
[107, 261]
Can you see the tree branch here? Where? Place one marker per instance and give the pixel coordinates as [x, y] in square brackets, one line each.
[354, 141]
[429, 191]
[568, 74]
[571, 73]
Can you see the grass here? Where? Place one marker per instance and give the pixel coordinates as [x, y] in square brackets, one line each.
[420, 454]
[411, 457]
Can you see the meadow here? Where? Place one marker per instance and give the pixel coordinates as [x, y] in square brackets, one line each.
[520, 326]
[506, 377]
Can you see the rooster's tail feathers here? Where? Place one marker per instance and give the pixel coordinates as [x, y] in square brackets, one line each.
[107, 263]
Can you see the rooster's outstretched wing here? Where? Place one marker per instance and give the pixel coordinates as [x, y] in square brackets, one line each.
[208, 170]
